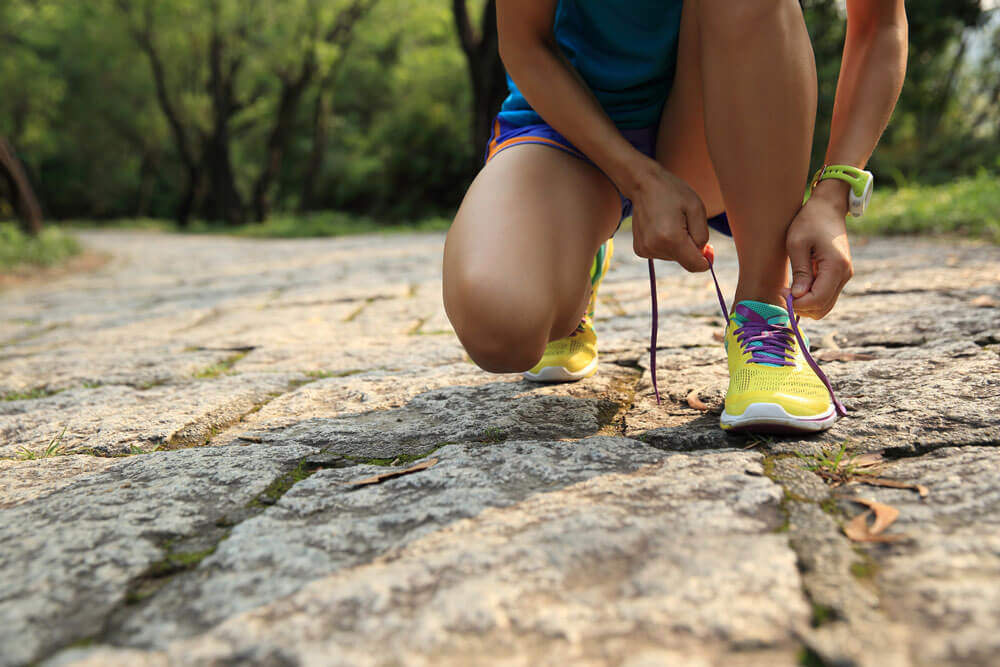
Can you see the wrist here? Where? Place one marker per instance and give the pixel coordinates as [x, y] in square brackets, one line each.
[834, 193]
[634, 172]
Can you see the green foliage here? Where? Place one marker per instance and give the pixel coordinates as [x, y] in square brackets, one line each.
[947, 122]
[329, 223]
[50, 247]
[967, 207]
[282, 226]
[80, 104]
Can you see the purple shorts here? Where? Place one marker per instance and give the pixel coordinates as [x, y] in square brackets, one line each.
[644, 139]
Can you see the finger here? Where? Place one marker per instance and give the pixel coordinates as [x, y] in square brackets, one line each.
[825, 289]
[689, 255]
[638, 240]
[800, 256]
[697, 221]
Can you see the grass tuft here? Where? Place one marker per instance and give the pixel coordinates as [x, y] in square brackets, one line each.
[54, 448]
[224, 367]
[966, 207]
[30, 395]
[18, 249]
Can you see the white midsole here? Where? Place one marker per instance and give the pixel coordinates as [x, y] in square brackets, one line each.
[560, 374]
[765, 414]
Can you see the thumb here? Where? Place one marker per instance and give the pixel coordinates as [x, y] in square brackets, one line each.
[800, 255]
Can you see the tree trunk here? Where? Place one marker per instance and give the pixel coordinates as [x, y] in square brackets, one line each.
[486, 71]
[25, 200]
[224, 202]
[291, 95]
[321, 115]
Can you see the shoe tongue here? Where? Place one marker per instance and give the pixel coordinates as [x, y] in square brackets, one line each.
[773, 314]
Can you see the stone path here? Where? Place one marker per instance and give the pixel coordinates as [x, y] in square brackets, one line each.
[179, 430]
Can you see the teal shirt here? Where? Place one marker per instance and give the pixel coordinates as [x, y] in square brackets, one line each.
[626, 51]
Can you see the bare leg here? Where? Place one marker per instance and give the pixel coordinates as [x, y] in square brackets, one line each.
[758, 101]
[681, 146]
[518, 256]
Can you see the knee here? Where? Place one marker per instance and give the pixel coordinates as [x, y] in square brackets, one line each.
[500, 333]
[737, 19]
[499, 350]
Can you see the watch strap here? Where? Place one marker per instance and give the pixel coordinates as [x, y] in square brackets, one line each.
[856, 178]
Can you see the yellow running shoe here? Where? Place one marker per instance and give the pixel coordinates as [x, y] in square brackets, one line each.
[575, 357]
[773, 388]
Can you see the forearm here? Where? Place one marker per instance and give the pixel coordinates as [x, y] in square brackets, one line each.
[556, 91]
[871, 78]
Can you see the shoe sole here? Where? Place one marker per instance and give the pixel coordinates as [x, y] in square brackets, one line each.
[772, 418]
[560, 374]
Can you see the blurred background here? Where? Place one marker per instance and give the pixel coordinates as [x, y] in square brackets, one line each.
[319, 117]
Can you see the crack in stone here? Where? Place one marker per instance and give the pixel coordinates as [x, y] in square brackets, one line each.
[847, 625]
[182, 554]
[202, 435]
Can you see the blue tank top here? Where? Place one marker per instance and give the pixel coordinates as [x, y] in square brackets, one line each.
[626, 51]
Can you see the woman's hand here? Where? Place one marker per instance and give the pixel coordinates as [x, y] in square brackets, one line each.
[819, 251]
[668, 219]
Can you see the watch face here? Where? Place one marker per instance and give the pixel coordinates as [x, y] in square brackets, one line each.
[858, 205]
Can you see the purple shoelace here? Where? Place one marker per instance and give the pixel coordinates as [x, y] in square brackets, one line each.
[774, 340]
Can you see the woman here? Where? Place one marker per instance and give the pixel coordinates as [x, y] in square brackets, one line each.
[682, 114]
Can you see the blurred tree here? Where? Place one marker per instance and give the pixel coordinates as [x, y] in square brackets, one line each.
[20, 189]
[228, 110]
[334, 42]
[486, 71]
[914, 140]
[253, 64]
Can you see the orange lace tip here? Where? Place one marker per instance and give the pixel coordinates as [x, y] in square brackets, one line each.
[709, 252]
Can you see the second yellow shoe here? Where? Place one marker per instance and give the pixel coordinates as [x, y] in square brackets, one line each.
[575, 357]
[568, 359]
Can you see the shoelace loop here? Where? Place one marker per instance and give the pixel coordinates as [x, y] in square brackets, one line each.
[774, 339]
[767, 343]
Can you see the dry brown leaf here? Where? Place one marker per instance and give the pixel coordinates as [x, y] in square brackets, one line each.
[858, 529]
[378, 479]
[718, 337]
[830, 341]
[985, 301]
[893, 484]
[696, 402]
[864, 461]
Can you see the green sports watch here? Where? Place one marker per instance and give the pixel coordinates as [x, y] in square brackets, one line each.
[862, 185]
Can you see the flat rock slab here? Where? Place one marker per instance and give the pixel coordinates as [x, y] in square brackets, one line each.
[244, 383]
[679, 556]
[77, 551]
[941, 582]
[116, 420]
[327, 525]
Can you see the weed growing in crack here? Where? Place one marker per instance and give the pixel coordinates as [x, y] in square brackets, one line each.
[493, 434]
[54, 448]
[809, 658]
[821, 615]
[402, 459]
[823, 461]
[29, 395]
[224, 367]
[159, 573]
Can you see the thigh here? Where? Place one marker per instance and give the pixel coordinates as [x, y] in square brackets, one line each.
[521, 247]
[681, 146]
